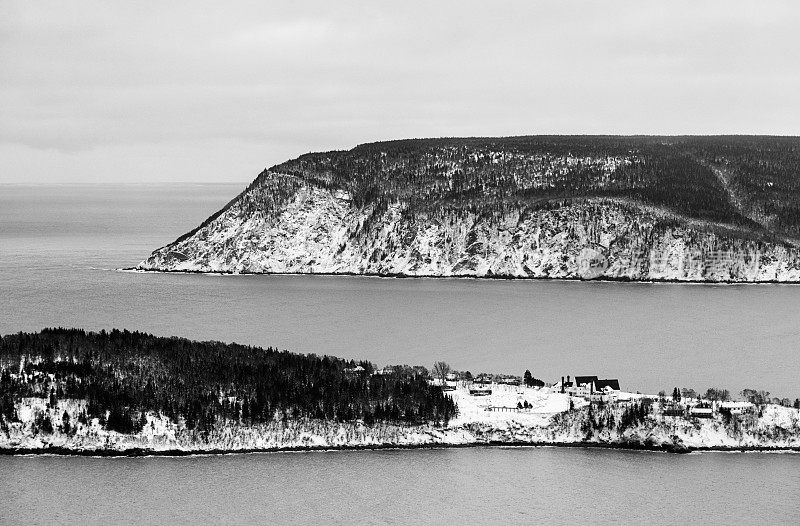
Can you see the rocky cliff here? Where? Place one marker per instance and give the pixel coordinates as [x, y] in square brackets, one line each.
[648, 212]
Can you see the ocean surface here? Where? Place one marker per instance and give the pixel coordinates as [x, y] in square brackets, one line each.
[60, 247]
[445, 486]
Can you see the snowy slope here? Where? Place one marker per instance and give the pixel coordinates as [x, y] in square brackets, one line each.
[285, 224]
[548, 422]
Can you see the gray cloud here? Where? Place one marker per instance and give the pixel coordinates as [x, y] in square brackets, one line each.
[105, 91]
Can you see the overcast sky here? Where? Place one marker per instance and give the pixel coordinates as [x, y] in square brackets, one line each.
[206, 91]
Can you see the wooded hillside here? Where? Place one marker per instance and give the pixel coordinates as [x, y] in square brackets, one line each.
[493, 175]
[123, 374]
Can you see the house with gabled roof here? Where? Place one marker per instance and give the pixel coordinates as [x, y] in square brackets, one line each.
[602, 385]
[587, 386]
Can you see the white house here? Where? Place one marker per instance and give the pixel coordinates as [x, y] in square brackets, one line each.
[587, 387]
[736, 408]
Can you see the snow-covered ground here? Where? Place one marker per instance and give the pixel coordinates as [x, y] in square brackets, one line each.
[475, 409]
[548, 421]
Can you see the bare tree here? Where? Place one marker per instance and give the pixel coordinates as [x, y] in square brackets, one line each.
[756, 397]
[441, 370]
[717, 395]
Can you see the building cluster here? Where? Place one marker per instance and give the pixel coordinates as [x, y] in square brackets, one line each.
[705, 408]
[478, 385]
[590, 388]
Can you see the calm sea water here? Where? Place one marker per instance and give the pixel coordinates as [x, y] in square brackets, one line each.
[59, 246]
[459, 486]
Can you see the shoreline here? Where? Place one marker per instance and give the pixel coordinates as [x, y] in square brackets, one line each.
[632, 446]
[602, 279]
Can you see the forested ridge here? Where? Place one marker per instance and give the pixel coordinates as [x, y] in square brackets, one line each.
[124, 375]
[495, 175]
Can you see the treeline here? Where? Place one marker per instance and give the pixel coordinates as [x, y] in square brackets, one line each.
[599, 416]
[124, 375]
[494, 176]
[757, 397]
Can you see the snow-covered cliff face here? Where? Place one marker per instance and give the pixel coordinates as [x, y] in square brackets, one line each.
[777, 428]
[284, 224]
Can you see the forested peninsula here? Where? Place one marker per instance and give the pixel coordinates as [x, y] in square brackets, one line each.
[128, 393]
[687, 209]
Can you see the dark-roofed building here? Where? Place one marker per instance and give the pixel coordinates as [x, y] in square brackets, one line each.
[588, 381]
[586, 386]
[610, 383]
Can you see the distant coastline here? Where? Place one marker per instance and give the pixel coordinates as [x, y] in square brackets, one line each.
[602, 279]
[682, 210]
[142, 452]
[122, 393]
